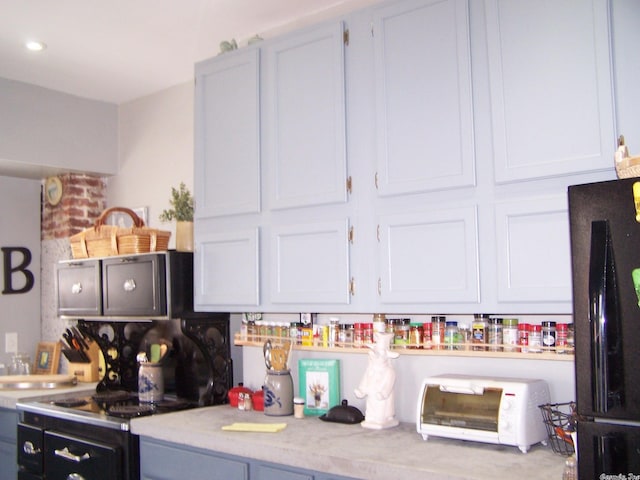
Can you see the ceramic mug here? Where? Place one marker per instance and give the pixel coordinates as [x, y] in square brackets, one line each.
[150, 383]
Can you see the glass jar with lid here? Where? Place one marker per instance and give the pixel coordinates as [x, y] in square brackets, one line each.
[451, 335]
[438, 326]
[510, 334]
[494, 334]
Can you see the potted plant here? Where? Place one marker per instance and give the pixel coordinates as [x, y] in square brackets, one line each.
[181, 202]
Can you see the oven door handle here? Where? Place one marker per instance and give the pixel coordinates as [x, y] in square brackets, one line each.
[67, 455]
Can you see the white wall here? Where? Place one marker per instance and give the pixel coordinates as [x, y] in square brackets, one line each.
[155, 152]
[20, 227]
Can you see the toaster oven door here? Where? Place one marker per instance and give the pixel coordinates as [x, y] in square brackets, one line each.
[472, 410]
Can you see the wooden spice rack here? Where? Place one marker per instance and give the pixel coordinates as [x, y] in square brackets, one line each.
[466, 350]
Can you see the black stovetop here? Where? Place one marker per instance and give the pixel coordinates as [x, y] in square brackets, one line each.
[110, 408]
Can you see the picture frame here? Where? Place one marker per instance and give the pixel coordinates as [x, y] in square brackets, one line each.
[123, 220]
[47, 358]
[319, 382]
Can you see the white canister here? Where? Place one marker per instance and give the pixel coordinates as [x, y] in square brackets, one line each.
[150, 383]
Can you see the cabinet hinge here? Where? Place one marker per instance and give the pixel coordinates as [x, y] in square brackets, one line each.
[345, 37]
[379, 286]
[378, 233]
[351, 235]
[375, 181]
[352, 286]
[372, 30]
[349, 185]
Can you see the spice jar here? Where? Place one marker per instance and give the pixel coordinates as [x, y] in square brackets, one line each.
[415, 335]
[465, 336]
[367, 333]
[345, 335]
[549, 335]
[479, 332]
[561, 337]
[401, 333]
[358, 335]
[571, 338]
[379, 322]
[451, 335]
[535, 339]
[426, 335]
[523, 337]
[510, 334]
[333, 331]
[438, 326]
[494, 334]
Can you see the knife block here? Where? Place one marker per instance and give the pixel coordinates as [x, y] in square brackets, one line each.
[88, 372]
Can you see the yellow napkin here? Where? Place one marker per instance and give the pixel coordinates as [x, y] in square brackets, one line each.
[255, 427]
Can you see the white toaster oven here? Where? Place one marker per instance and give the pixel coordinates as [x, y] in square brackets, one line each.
[483, 409]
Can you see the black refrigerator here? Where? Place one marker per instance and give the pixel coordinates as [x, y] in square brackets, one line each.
[605, 247]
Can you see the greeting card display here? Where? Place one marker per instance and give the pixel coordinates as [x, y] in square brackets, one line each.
[319, 384]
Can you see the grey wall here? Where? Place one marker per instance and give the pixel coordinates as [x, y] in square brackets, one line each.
[20, 227]
[45, 128]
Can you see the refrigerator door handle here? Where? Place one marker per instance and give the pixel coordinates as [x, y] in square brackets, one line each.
[604, 318]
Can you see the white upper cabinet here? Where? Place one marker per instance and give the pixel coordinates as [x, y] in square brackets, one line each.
[227, 135]
[429, 257]
[533, 250]
[304, 118]
[309, 263]
[424, 117]
[551, 88]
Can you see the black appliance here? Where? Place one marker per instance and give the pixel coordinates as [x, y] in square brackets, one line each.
[605, 248]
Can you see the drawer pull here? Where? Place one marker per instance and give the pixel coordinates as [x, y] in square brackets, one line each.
[75, 476]
[129, 285]
[76, 288]
[67, 455]
[30, 449]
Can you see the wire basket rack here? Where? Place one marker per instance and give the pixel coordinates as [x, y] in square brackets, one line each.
[560, 420]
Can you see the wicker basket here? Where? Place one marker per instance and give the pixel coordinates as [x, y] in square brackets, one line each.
[628, 167]
[107, 240]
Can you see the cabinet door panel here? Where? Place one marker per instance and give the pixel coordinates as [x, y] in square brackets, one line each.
[305, 118]
[533, 250]
[424, 118]
[310, 263]
[227, 133]
[226, 268]
[551, 93]
[162, 462]
[272, 472]
[429, 257]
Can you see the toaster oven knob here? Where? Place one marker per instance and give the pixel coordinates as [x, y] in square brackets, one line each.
[30, 449]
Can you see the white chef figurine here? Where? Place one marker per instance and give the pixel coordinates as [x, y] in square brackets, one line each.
[377, 384]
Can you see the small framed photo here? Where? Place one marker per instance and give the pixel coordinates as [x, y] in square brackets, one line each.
[47, 358]
[123, 220]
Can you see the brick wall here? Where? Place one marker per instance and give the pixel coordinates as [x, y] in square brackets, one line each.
[83, 200]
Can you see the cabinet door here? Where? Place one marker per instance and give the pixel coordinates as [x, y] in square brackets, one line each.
[274, 472]
[304, 118]
[429, 257]
[227, 138]
[8, 442]
[226, 269]
[551, 93]
[310, 263]
[424, 118]
[533, 251]
[164, 462]
[134, 286]
[78, 288]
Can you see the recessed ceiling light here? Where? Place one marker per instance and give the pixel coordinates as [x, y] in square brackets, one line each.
[35, 45]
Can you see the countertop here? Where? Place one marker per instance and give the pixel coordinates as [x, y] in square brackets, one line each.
[350, 450]
[9, 397]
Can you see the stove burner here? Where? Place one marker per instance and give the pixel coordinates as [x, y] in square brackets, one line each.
[131, 411]
[70, 402]
[111, 396]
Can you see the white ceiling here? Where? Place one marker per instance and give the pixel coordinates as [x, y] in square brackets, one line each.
[120, 50]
